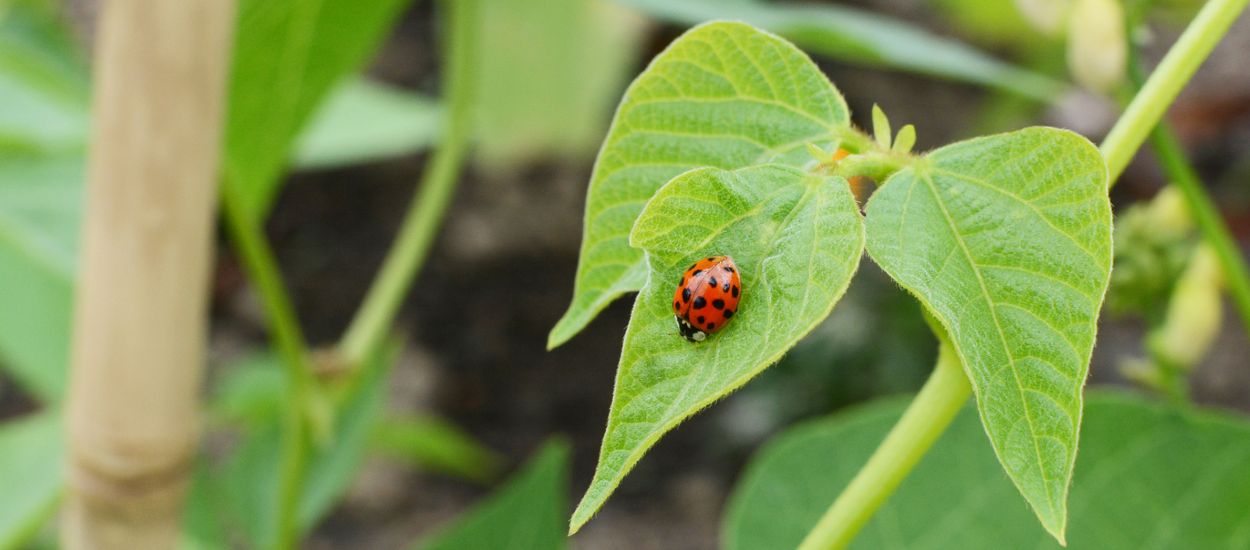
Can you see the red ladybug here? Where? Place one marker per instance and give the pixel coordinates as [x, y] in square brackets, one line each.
[707, 297]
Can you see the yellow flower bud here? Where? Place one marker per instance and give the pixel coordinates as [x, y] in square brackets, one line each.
[1168, 213]
[1097, 47]
[1194, 312]
[1047, 16]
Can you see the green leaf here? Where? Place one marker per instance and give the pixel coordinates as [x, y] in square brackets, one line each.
[287, 57]
[553, 96]
[881, 127]
[724, 95]
[40, 201]
[43, 87]
[437, 445]
[1006, 239]
[857, 36]
[796, 237]
[1148, 476]
[243, 490]
[906, 139]
[363, 120]
[32, 457]
[527, 512]
[43, 80]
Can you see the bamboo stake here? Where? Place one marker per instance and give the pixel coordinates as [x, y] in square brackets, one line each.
[138, 347]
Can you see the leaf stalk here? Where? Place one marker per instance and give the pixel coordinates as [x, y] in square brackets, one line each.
[369, 328]
[1177, 67]
[928, 416]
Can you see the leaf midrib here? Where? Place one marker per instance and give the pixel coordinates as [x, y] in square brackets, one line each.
[1002, 337]
[666, 421]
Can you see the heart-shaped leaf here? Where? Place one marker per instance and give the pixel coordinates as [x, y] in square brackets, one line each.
[724, 95]
[796, 238]
[1006, 239]
[1148, 476]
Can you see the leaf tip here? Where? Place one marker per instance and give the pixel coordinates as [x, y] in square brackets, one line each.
[881, 127]
[571, 323]
[1057, 525]
[905, 140]
[581, 515]
[555, 338]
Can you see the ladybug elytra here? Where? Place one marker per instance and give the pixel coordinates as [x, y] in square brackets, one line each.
[707, 297]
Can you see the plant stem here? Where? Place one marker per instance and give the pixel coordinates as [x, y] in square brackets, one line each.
[1206, 217]
[258, 260]
[438, 184]
[133, 411]
[262, 269]
[924, 420]
[1177, 67]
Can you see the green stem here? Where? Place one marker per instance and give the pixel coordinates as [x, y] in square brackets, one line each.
[1207, 217]
[258, 260]
[941, 398]
[1177, 67]
[438, 184]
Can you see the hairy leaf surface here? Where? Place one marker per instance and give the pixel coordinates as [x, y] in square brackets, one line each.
[723, 95]
[796, 237]
[1006, 239]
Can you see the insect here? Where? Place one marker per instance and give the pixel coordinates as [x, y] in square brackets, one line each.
[707, 297]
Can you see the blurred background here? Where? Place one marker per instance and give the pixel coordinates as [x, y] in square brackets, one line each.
[473, 392]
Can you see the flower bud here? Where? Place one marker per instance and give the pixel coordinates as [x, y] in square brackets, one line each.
[1194, 313]
[1097, 47]
[1046, 16]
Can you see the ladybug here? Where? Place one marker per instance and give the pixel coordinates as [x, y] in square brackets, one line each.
[707, 297]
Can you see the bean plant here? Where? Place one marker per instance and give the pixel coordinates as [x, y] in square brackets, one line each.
[732, 142]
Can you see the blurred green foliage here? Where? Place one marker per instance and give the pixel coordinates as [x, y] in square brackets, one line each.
[1153, 243]
[242, 490]
[436, 445]
[548, 75]
[43, 124]
[362, 120]
[287, 57]
[862, 38]
[528, 512]
[31, 473]
[1146, 475]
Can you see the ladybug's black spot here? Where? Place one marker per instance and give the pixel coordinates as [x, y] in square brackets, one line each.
[711, 326]
[713, 282]
[699, 303]
[676, 305]
[685, 295]
[718, 303]
[729, 269]
[729, 313]
[711, 258]
[701, 320]
[696, 273]
[726, 289]
[735, 292]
